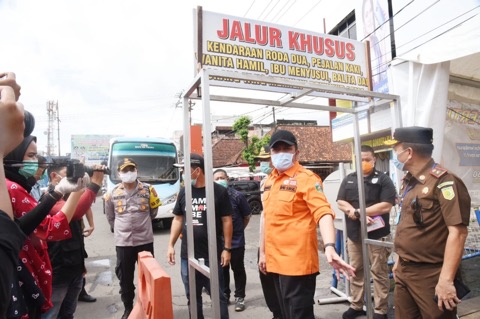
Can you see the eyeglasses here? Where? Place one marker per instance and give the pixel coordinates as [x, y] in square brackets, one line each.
[417, 211]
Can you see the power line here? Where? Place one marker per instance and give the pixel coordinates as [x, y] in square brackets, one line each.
[258, 18]
[248, 10]
[281, 9]
[308, 12]
[271, 10]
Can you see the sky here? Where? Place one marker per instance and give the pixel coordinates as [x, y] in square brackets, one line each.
[117, 67]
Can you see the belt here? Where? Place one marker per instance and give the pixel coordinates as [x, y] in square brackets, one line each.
[405, 262]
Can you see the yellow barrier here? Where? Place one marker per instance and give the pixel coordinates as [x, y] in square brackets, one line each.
[154, 296]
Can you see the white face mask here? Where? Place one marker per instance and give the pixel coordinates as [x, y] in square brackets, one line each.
[282, 161]
[128, 177]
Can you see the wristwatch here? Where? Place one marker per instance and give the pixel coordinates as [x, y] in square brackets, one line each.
[356, 212]
[329, 245]
[227, 249]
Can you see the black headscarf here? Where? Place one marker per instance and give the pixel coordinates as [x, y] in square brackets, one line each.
[16, 157]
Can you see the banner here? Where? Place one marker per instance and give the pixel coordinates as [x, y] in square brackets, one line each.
[461, 148]
[256, 47]
[90, 149]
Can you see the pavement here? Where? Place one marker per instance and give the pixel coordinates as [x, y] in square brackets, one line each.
[103, 284]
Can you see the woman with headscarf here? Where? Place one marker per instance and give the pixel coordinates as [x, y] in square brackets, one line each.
[32, 292]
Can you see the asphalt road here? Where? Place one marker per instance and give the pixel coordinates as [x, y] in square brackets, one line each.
[103, 284]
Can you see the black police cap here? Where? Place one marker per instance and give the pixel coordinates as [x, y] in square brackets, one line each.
[412, 134]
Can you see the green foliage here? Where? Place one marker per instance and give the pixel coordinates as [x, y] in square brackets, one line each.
[241, 128]
[252, 147]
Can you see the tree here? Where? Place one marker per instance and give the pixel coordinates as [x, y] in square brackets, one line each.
[252, 146]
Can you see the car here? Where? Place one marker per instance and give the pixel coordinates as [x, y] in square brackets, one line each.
[251, 190]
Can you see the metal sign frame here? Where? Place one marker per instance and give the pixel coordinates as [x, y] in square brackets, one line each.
[199, 89]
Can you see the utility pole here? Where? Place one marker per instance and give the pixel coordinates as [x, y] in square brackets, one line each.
[58, 127]
[274, 120]
[52, 113]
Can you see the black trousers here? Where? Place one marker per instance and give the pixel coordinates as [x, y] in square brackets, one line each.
[125, 270]
[270, 293]
[239, 274]
[296, 295]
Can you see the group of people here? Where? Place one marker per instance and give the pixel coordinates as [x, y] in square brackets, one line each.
[429, 240]
[42, 273]
[41, 240]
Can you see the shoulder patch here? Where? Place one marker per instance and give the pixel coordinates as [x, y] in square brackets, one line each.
[319, 187]
[448, 193]
[438, 171]
[154, 199]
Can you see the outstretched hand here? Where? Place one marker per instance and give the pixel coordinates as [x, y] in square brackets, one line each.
[341, 267]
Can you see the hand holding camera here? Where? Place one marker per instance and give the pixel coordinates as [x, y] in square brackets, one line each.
[98, 172]
[69, 185]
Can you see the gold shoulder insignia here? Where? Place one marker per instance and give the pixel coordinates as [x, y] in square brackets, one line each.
[438, 171]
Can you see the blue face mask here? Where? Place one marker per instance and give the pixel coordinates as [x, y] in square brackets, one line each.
[399, 165]
[282, 161]
[265, 168]
[29, 168]
[222, 182]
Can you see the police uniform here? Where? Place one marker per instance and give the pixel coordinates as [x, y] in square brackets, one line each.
[378, 188]
[130, 214]
[431, 200]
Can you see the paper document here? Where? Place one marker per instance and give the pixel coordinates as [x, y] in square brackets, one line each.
[377, 224]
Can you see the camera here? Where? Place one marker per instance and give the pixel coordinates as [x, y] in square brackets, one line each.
[76, 170]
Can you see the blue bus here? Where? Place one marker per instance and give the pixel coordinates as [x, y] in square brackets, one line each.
[155, 158]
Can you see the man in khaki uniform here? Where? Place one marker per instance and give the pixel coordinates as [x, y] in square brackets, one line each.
[431, 233]
[129, 208]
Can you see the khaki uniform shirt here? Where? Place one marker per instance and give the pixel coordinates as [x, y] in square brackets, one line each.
[293, 203]
[440, 199]
[131, 213]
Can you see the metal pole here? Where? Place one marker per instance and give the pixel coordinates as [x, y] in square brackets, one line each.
[188, 208]
[211, 220]
[58, 127]
[363, 224]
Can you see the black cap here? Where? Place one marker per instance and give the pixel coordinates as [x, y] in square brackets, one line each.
[125, 163]
[196, 160]
[283, 136]
[412, 134]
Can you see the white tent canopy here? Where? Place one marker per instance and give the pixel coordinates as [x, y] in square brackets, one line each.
[444, 71]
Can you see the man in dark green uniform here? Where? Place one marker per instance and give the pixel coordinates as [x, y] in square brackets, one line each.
[431, 233]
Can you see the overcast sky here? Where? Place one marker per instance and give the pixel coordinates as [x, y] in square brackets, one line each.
[116, 66]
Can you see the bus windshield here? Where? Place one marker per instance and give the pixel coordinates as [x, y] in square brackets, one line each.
[154, 161]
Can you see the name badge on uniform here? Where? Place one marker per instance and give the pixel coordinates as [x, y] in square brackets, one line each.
[288, 188]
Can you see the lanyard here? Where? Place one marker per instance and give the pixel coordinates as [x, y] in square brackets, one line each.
[405, 192]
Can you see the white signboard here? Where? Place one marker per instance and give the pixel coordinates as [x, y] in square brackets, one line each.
[90, 149]
[461, 145]
[250, 46]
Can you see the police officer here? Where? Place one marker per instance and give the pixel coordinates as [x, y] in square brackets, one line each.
[431, 233]
[130, 207]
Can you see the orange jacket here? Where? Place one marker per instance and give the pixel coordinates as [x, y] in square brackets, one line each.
[293, 203]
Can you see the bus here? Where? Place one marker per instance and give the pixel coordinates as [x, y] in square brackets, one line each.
[155, 158]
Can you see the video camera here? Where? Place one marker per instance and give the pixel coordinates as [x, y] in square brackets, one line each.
[76, 170]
